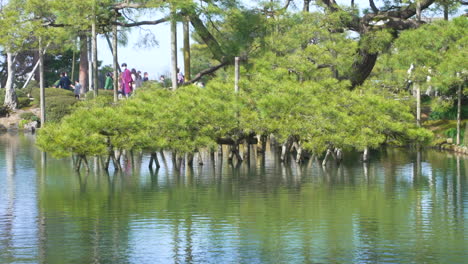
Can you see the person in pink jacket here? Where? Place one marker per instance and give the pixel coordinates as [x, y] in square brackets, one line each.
[127, 80]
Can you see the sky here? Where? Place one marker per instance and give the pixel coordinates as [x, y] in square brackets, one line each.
[154, 60]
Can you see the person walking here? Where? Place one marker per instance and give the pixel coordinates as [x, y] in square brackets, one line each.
[180, 78]
[64, 82]
[134, 78]
[109, 85]
[145, 77]
[77, 89]
[138, 80]
[162, 81]
[127, 81]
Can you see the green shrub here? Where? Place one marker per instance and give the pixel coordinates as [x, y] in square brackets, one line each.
[49, 93]
[452, 133]
[108, 94]
[21, 93]
[59, 102]
[2, 96]
[24, 102]
[4, 111]
[58, 107]
[29, 116]
[447, 110]
[22, 123]
[31, 86]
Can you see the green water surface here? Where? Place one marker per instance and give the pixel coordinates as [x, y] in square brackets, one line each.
[402, 207]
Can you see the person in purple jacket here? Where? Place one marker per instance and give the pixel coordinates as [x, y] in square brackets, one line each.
[127, 80]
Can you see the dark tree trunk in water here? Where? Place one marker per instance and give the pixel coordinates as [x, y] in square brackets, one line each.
[190, 159]
[154, 158]
[84, 63]
[200, 159]
[220, 150]
[261, 146]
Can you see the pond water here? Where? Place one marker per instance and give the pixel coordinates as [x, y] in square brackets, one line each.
[402, 207]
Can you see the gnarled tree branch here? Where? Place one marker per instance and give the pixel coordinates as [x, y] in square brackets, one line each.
[374, 8]
[206, 72]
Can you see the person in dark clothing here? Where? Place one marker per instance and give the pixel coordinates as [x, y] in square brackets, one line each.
[64, 82]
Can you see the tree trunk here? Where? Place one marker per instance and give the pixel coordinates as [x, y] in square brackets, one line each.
[78, 163]
[154, 158]
[73, 66]
[41, 85]
[418, 10]
[285, 149]
[84, 63]
[338, 155]
[362, 67]
[305, 8]
[365, 155]
[115, 62]
[187, 58]
[190, 159]
[459, 92]
[90, 64]
[261, 145]
[95, 60]
[10, 94]
[220, 150]
[173, 51]
[200, 159]
[446, 12]
[86, 162]
[325, 160]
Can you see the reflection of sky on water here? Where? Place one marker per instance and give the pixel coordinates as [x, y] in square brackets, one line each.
[197, 239]
[18, 205]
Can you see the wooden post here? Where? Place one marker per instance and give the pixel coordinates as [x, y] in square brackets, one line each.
[90, 63]
[41, 84]
[418, 104]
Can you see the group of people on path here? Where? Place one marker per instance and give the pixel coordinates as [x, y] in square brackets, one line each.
[129, 81]
[65, 83]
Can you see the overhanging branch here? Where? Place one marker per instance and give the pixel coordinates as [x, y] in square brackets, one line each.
[141, 23]
[206, 72]
[374, 8]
